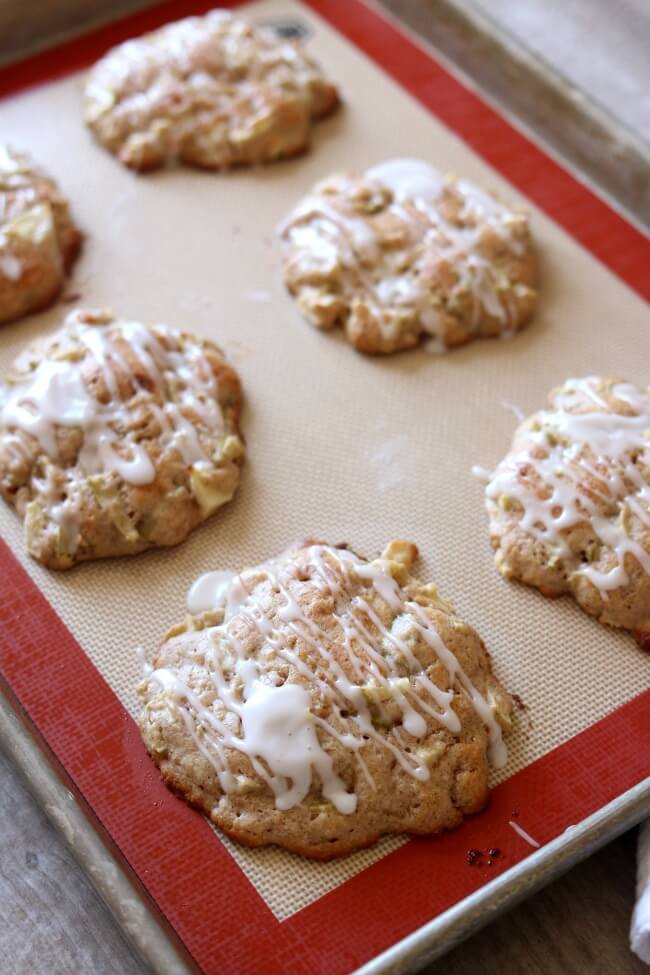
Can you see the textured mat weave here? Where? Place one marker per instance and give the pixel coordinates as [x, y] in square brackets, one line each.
[340, 447]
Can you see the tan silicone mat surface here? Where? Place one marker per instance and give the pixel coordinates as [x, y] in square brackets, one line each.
[340, 447]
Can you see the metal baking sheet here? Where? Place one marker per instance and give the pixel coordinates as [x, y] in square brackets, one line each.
[391, 456]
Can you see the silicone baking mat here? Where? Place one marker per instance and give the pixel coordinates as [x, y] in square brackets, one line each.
[340, 447]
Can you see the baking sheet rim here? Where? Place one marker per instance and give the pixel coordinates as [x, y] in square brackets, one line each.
[520, 881]
[441, 933]
[154, 943]
[49, 785]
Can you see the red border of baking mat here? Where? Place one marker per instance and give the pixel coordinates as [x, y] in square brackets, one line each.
[217, 913]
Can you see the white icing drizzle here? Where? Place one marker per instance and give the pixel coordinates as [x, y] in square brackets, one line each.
[565, 447]
[9, 163]
[55, 394]
[326, 234]
[141, 657]
[408, 179]
[516, 411]
[208, 591]
[272, 721]
[482, 473]
[10, 265]
[524, 835]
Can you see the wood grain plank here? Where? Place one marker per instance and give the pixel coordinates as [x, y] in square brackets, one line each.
[52, 922]
[32, 25]
[578, 925]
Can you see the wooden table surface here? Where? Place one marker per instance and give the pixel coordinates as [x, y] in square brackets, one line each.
[53, 923]
[51, 920]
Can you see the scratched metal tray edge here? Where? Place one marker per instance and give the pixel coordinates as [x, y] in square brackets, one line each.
[545, 865]
[550, 109]
[150, 936]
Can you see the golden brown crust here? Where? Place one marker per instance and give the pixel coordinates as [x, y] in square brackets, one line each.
[390, 799]
[211, 92]
[79, 505]
[38, 240]
[393, 271]
[642, 634]
[598, 495]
